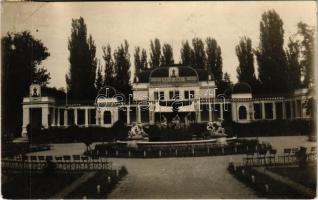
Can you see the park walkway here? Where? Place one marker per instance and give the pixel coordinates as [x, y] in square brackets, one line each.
[199, 177]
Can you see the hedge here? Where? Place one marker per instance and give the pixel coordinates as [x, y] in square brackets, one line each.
[120, 132]
[270, 128]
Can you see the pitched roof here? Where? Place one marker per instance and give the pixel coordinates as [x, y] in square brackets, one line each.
[184, 71]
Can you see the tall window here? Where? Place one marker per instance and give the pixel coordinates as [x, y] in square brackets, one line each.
[186, 94]
[171, 95]
[269, 110]
[257, 111]
[176, 94]
[92, 116]
[242, 112]
[107, 117]
[162, 95]
[191, 94]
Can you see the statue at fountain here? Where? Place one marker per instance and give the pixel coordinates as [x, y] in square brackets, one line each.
[176, 121]
[137, 133]
[215, 129]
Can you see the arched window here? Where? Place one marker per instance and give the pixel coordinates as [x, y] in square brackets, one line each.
[107, 117]
[242, 112]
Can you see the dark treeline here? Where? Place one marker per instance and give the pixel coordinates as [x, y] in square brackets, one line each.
[280, 70]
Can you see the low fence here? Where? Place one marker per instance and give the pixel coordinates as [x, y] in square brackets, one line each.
[178, 150]
[60, 163]
[270, 157]
[253, 171]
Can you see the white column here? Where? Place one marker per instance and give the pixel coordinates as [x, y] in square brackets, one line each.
[274, 110]
[65, 117]
[45, 117]
[234, 111]
[138, 114]
[58, 117]
[128, 115]
[210, 113]
[263, 111]
[26, 120]
[53, 117]
[199, 111]
[86, 117]
[75, 116]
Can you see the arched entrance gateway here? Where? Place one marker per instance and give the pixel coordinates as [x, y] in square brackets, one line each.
[162, 95]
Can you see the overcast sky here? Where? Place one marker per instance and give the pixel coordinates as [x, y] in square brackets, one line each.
[140, 22]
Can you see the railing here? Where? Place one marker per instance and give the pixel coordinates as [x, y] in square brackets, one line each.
[268, 158]
[60, 163]
[176, 150]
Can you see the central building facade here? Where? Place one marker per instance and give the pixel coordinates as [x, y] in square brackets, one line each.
[162, 95]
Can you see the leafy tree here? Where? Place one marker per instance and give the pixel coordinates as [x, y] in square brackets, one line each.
[307, 46]
[22, 56]
[227, 78]
[225, 84]
[82, 73]
[245, 69]
[294, 66]
[155, 53]
[99, 78]
[41, 76]
[109, 65]
[214, 59]
[198, 54]
[143, 60]
[271, 56]
[122, 66]
[186, 58]
[167, 55]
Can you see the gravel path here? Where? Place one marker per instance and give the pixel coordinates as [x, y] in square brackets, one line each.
[199, 177]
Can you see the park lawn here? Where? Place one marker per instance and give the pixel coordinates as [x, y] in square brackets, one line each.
[306, 177]
[34, 185]
[89, 188]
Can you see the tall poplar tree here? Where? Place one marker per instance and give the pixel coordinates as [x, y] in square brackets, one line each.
[138, 64]
[185, 51]
[167, 55]
[99, 78]
[214, 59]
[109, 64]
[122, 69]
[143, 60]
[245, 70]
[198, 55]
[271, 56]
[155, 53]
[81, 77]
[307, 51]
[294, 66]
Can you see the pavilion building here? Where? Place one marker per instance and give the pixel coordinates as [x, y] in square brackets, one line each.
[159, 95]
